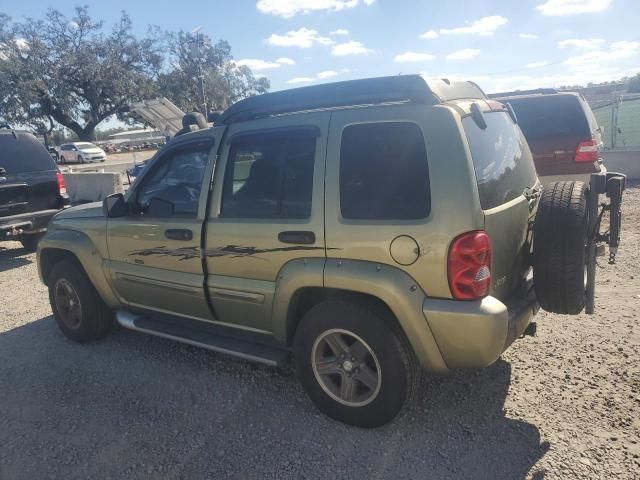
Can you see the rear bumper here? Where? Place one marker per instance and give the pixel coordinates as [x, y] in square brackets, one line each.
[580, 177]
[473, 334]
[25, 224]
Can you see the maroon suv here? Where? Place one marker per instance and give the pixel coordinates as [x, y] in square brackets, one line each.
[561, 130]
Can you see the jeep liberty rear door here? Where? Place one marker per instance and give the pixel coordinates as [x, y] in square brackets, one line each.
[266, 211]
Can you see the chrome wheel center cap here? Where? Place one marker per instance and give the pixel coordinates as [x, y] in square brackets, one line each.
[347, 366]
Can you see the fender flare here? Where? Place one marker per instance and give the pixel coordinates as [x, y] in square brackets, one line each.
[389, 284]
[85, 251]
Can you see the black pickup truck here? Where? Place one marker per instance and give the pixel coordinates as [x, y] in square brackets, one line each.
[32, 189]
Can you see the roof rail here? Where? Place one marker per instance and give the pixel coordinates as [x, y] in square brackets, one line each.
[370, 91]
[517, 93]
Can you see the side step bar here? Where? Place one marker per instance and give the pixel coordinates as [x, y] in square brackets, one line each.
[200, 337]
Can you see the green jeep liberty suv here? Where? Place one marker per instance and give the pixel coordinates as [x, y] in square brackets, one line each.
[364, 228]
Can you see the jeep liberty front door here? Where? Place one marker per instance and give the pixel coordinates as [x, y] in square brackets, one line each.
[154, 251]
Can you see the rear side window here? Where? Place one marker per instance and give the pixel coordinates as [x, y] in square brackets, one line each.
[270, 176]
[501, 158]
[383, 172]
[23, 153]
[551, 116]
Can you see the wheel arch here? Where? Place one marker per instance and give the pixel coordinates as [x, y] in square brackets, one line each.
[69, 244]
[303, 284]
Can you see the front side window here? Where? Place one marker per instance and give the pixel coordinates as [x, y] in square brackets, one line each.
[173, 187]
[270, 175]
[383, 172]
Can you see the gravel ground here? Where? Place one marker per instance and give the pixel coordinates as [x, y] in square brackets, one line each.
[561, 405]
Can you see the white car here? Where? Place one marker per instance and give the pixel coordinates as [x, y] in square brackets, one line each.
[80, 152]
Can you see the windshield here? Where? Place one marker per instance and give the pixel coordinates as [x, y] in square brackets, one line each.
[501, 158]
[554, 115]
[86, 145]
[23, 153]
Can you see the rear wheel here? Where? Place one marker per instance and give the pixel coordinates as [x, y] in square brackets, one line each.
[78, 309]
[354, 363]
[80, 159]
[30, 242]
[62, 159]
[560, 247]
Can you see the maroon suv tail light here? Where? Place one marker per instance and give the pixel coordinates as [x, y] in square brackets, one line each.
[62, 188]
[469, 265]
[587, 151]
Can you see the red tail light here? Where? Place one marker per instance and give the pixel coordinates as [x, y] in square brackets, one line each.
[469, 265]
[62, 188]
[587, 151]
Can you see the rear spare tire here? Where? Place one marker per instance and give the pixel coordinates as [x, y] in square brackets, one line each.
[559, 247]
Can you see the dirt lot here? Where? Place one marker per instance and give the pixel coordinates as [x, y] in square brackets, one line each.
[562, 405]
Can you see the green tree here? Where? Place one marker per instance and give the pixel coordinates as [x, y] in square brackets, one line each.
[195, 64]
[68, 71]
[633, 84]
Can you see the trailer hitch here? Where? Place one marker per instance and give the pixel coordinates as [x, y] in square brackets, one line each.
[612, 185]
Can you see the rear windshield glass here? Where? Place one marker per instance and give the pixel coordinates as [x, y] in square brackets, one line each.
[554, 115]
[23, 153]
[501, 158]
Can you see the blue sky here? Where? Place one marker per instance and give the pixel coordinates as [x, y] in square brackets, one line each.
[501, 44]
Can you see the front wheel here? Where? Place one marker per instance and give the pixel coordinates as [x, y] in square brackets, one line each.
[78, 309]
[354, 363]
[63, 160]
[80, 159]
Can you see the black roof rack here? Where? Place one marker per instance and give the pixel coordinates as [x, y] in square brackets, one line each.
[370, 91]
[517, 93]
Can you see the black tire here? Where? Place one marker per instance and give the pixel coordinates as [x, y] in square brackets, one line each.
[30, 242]
[95, 317]
[559, 247]
[63, 160]
[399, 374]
[80, 159]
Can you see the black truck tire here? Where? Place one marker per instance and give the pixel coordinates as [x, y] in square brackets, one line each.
[389, 357]
[559, 247]
[30, 242]
[91, 318]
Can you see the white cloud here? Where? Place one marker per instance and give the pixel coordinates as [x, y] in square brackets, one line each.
[349, 48]
[286, 61]
[431, 34]
[327, 74]
[319, 76]
[486, 26]
[301, 80]
[531, 36]
[580, 42]
[291, 8]
[571, 7]
[616, 51]
[536, 64]
[339, 31]
[526, 82]
[413, 57]
[464, 54]
[257, 65]
[303, 38]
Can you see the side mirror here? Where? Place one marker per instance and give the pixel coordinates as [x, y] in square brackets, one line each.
[114, 206]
